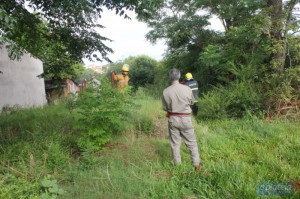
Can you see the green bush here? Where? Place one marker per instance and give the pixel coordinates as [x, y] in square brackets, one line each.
[212, 105]
[235, 101]
[282, 88]
[161, 81]
[101, 113]
[142, 71]
[50, 189]
[243, 98]
[12, 187]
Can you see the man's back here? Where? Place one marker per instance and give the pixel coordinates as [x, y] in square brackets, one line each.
[176, 101]
[193, 84]
[177, 98]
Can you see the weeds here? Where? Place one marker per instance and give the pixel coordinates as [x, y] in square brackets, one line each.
[237, 156]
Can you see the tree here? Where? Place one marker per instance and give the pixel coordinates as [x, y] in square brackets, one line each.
[282, 20]
[249, 55]
[251, 33]
[183, 26]
[232, 13]
[60, 33]
[142, 71]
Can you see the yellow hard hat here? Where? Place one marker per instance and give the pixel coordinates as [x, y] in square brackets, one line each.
[188, 76]
[125, 68]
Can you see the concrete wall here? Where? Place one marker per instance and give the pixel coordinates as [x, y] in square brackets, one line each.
[19, 84]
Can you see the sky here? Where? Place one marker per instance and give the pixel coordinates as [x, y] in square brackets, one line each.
[129, 37]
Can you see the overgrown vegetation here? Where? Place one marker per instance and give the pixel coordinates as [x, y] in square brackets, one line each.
[237, 155]
[258, 51]
[36, 144]
[101, 112]
[107, 144]
[41, 144]
[40, 156]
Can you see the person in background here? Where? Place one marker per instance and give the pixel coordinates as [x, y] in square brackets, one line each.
[177, 100]
[122, 78]
[95, 82]
[193, 84]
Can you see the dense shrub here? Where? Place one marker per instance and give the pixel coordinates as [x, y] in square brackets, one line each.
[142, 71]
[282, 93]
[232, 101]
[13, 187]
[212, 105]
[161, 81]
[101, 112]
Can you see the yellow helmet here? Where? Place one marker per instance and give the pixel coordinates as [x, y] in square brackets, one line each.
[125, 68]
[188, 76]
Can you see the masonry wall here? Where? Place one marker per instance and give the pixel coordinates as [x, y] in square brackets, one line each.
[19, 84]
[71, 87]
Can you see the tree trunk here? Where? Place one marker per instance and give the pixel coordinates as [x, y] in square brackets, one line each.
[276, 33]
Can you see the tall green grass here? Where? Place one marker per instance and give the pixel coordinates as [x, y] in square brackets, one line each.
[35, 144]
[237, 155]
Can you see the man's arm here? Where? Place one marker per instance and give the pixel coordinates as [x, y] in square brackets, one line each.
[192, 98]
[164, 104]
[115, 76]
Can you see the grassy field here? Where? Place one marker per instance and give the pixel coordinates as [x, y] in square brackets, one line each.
[237, 156]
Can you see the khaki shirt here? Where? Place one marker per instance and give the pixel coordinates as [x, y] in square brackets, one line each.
[177, 98]
[122, 79]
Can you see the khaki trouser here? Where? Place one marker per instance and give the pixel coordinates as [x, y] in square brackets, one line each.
[183, 127]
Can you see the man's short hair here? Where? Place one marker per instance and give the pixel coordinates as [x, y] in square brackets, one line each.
[174, 74]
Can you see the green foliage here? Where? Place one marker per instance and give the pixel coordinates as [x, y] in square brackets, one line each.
[89, 158]
[234, 13]
[35, 144]
[282, 90]
[285, 86]
[241, 58]
[293, 56]
[237, 100]
[144, 124]
[56, 155]
[236, 156]
[58, 33]
[183, 28]
[12, 187]
[212, 105]
[75, 71]
[142, 71]
[50, 189]
[87, 74]
[161, 81]
[258, 38]
[102, 112]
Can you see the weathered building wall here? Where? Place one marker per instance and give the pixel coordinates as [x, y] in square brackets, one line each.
[19, 84]
[70, 87]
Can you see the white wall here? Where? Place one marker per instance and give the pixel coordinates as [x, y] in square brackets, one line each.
[19, 84]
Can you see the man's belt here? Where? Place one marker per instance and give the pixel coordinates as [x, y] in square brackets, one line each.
[177, 114]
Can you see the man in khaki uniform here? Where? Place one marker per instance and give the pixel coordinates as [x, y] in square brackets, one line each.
[177, 100]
